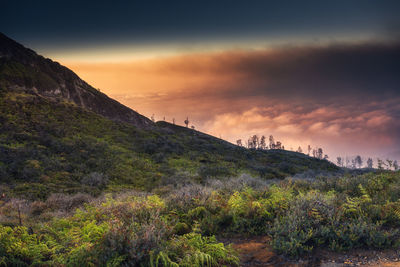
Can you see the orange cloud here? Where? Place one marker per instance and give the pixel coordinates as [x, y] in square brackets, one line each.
[313, 95]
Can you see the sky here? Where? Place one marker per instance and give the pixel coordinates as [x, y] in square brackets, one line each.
[319, 73]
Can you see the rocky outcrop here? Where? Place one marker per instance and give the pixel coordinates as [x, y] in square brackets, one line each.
[24, 70]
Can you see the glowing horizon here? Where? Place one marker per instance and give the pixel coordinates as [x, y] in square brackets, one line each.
[126, 52]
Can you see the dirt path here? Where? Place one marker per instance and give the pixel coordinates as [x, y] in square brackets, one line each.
[256, 251]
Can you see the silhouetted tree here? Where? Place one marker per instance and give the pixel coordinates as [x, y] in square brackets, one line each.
[187, 122]
[380, 164]
[339, 161]
[384, 164]
[192, 127]
[250, 143]
[255, 141]
[278, 145]
[389, 163]
[299, 150]
[262, 142]
[353, 163]
[395, 165]
[173, 121]
[271, 142]
[309, 150]
[320, 153]
[370, 163]
[239, 142]
[358, 161]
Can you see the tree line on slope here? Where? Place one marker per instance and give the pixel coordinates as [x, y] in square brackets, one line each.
[256, 142]
[357, 162]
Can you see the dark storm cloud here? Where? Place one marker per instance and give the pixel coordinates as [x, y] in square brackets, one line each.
[77, 23]
[367, 71]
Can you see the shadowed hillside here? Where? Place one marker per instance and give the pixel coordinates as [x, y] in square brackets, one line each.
[22, 70]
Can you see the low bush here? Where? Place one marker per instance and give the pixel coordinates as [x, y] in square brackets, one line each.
[193, 249]
[67, 202]
[315, 220]
[95, 179]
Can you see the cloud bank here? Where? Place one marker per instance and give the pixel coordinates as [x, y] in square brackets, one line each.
[343, 97]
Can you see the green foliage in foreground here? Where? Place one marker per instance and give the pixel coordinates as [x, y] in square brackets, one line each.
[132, 232]
[179, 228]
[53, 146]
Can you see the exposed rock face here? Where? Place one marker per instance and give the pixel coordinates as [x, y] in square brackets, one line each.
[21, 69]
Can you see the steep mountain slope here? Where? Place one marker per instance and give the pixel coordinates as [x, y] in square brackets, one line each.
[22, 70]
[66, 142]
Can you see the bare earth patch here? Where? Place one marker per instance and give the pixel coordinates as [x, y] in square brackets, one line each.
[256, 251]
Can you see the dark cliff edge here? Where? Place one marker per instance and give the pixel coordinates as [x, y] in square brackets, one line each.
[22, 70]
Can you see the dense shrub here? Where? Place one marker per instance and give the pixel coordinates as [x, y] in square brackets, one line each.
[136, 229]
[314, 220]
[253, 211]
[209, 171]
[67, 202]
[95, 179]
[233, 184]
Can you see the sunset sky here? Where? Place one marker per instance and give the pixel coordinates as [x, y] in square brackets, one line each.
[324, 73]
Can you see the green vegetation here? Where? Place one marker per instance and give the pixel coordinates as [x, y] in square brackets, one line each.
[178, 227]
[49, 146]
[133, 231]
[25, 75]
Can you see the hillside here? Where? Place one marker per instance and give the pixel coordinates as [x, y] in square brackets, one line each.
[22, 70]
[58, 134]
[53, 146]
